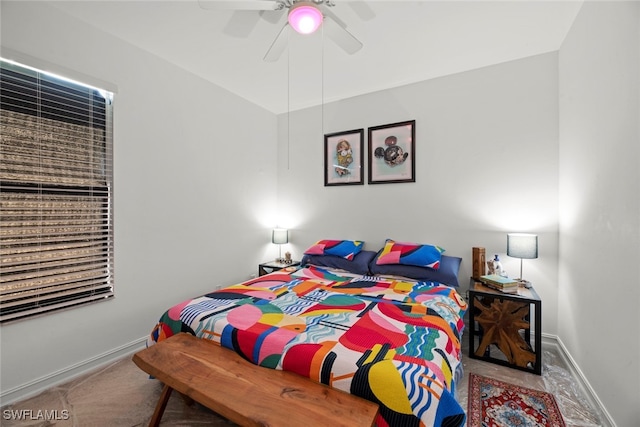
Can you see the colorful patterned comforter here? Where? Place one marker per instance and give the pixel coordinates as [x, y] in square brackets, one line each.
[391, 341]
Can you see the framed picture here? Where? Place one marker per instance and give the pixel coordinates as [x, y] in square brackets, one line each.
[344, 158]
[392, 153]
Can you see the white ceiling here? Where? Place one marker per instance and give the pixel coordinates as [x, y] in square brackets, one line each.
[404, 42]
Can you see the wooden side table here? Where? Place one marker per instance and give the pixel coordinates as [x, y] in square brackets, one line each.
[502, 323]
[271, 266]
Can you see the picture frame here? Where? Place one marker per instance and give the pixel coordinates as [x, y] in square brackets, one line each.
[392, 153]
[344, 158]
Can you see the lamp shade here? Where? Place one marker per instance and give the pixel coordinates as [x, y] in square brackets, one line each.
[280, 236]
[305, 17]
[521, 245]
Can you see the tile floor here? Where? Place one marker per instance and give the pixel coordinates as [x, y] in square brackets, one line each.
[120, 394]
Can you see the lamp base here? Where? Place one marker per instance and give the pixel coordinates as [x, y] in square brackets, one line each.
[524, 283]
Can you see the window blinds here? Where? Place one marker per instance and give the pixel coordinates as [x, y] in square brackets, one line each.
[56, 222]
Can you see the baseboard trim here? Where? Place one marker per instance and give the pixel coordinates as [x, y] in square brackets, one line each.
[554, 340]
[38, 385]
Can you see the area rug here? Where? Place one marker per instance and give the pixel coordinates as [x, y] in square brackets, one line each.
[494, 403]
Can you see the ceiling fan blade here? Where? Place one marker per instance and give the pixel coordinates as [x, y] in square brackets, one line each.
[341, 36]
[241, 24]
[362, 9]
[273, 17]
[240, 4]
[279, 44]
[328, 13]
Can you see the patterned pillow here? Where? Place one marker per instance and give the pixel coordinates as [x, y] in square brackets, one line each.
[410, 254]
[343, 248]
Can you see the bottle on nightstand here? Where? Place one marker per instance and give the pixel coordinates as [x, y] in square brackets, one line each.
[497, 266]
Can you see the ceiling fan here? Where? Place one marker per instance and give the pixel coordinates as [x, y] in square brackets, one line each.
[305, 16]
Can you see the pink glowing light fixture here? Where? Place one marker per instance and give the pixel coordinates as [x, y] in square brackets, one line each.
[305, 17]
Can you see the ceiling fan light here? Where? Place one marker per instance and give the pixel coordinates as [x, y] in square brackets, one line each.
[305, 17]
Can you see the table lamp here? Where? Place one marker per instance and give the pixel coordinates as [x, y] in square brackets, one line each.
[523, 246]
[280, 236]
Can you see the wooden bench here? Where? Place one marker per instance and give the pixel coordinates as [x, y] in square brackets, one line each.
[244, 393]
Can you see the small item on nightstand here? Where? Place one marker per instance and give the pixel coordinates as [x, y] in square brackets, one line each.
[287, 258]
[494, 266]
[479, 263]
[497, 266]
[500, 283]
[525, 283]
[490, 268]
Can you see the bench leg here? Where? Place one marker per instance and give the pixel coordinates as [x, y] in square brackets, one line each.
[160, 406]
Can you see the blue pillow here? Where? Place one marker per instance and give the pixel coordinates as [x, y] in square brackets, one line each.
[359, 264]
[447, 273]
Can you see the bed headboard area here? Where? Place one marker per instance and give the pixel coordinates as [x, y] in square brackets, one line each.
[414, 261]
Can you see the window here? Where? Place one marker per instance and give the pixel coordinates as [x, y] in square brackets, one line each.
[56, 222]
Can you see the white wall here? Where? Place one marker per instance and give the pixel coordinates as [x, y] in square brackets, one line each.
[599, 270]
[195, 191]
[486, 164]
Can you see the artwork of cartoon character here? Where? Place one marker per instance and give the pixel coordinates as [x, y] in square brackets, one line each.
[345, 157]
[393, 154]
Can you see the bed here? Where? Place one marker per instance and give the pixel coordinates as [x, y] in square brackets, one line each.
[387, 331]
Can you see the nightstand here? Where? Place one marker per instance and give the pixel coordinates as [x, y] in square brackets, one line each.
[500, 323]
[271, 266]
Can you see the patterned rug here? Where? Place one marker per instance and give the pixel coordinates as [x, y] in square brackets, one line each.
[494, 403]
